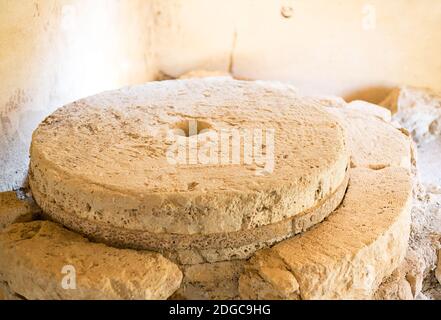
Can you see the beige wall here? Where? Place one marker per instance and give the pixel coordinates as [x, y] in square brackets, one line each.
[56, 51]
[326, 46]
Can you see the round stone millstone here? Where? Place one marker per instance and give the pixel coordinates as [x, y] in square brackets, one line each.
[105, 160]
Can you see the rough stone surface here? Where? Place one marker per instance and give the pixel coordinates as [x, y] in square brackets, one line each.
[6, 293]
[81, 155]
[219, 247]
[349, 254]
[373, 143]
[13, 209]
[277, 233]
[420, 258]
[419, 112]
[431, 288]
[395, 287]
[406, 282]
[33, 255]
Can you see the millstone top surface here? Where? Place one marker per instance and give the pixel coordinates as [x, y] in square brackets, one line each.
[114, 157]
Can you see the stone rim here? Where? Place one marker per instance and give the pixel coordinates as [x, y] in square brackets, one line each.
[142, 240]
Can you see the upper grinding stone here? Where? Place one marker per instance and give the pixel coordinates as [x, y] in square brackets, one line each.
[106, 158]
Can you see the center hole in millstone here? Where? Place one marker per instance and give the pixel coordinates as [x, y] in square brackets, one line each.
[192, 127]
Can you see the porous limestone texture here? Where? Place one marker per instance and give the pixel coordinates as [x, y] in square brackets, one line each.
[195, 287]
[395, 287]
[406, 281]
[13, 209]
[103, 160]
[374, 143]
[348, 255]
[196, 249]
[225, 248]
[204, 280]
[36, 257]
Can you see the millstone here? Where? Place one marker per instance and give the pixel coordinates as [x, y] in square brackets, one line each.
[344, 257]
[106, 166]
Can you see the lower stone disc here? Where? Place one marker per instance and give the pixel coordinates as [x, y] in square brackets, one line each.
[205, 248]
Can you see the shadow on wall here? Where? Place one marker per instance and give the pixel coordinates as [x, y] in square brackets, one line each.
[374, 94]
